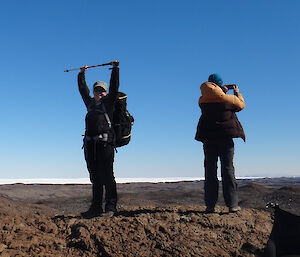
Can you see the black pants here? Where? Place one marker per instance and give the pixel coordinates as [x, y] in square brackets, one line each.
[224, 149]
[100, 158]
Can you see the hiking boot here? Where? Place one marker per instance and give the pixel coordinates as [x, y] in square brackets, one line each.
[210, 209]
[92, 212]
[110, 210]
[235, 209]
[108, 214]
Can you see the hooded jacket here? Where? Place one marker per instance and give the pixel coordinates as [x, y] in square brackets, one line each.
[218, 119]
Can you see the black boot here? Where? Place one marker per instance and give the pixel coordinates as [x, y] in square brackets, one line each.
[95, 209]
[110, 198]
[92, 212]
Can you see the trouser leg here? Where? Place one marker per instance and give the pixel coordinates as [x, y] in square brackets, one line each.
[97, 187]
[110, 195]
[226, 149]
[211, 183]
[97, 193]
[105, 167]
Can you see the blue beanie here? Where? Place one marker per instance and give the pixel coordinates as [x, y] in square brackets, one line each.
[215, 78]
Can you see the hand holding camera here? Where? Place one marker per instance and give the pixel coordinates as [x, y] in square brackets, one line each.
[234, 87]
[236, 90]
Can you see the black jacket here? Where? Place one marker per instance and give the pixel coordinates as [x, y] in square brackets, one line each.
[95, 120]
[218, 119]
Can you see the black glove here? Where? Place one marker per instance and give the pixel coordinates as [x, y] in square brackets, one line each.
[115, 64]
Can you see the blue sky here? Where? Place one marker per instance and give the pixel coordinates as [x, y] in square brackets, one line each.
[166, 50]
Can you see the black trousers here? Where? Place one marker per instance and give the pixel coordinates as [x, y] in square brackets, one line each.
[100, 158]
[223, 149]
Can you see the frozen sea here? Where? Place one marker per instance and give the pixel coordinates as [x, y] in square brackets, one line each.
[87, 180]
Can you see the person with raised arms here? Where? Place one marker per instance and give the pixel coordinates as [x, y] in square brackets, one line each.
[99, 141]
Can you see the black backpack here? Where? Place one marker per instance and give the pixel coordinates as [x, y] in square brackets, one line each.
[122, 121]
[285, 236]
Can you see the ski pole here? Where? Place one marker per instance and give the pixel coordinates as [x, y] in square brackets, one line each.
[93, 66]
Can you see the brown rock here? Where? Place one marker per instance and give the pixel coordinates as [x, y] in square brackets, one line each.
[2, 247]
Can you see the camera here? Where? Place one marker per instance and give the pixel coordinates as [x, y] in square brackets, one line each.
[230, 86]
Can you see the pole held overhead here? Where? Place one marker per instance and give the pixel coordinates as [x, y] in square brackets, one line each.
[93, 66]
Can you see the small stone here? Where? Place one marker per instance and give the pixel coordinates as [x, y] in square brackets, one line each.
[2, 247]
[185, 218]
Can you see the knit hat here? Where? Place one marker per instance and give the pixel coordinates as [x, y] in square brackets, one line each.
[100, 84]
[215, 78]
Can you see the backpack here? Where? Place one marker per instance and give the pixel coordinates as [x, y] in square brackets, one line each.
[122, 121]
[285, 236]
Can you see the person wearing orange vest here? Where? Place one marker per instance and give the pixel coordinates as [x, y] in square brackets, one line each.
[217, 127]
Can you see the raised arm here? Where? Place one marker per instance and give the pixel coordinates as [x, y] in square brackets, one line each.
[212, 93]
[83, 88]
[114, 81]
[236, 100]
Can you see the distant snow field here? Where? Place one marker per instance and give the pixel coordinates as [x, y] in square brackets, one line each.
[87, 180]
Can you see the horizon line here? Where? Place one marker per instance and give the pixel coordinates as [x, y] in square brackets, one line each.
[118, 180]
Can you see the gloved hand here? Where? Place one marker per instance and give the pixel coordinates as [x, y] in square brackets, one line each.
[115, 63]
[84, 68]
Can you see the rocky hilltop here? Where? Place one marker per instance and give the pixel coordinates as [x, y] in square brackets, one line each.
[34, 230]
[164, 219]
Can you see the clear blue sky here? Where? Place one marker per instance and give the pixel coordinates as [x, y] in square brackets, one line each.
[166, 50]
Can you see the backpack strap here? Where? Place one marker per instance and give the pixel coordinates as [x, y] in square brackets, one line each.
[107, 119]
[106, 115]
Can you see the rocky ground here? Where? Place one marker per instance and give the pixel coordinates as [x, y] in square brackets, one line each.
[165, 219]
